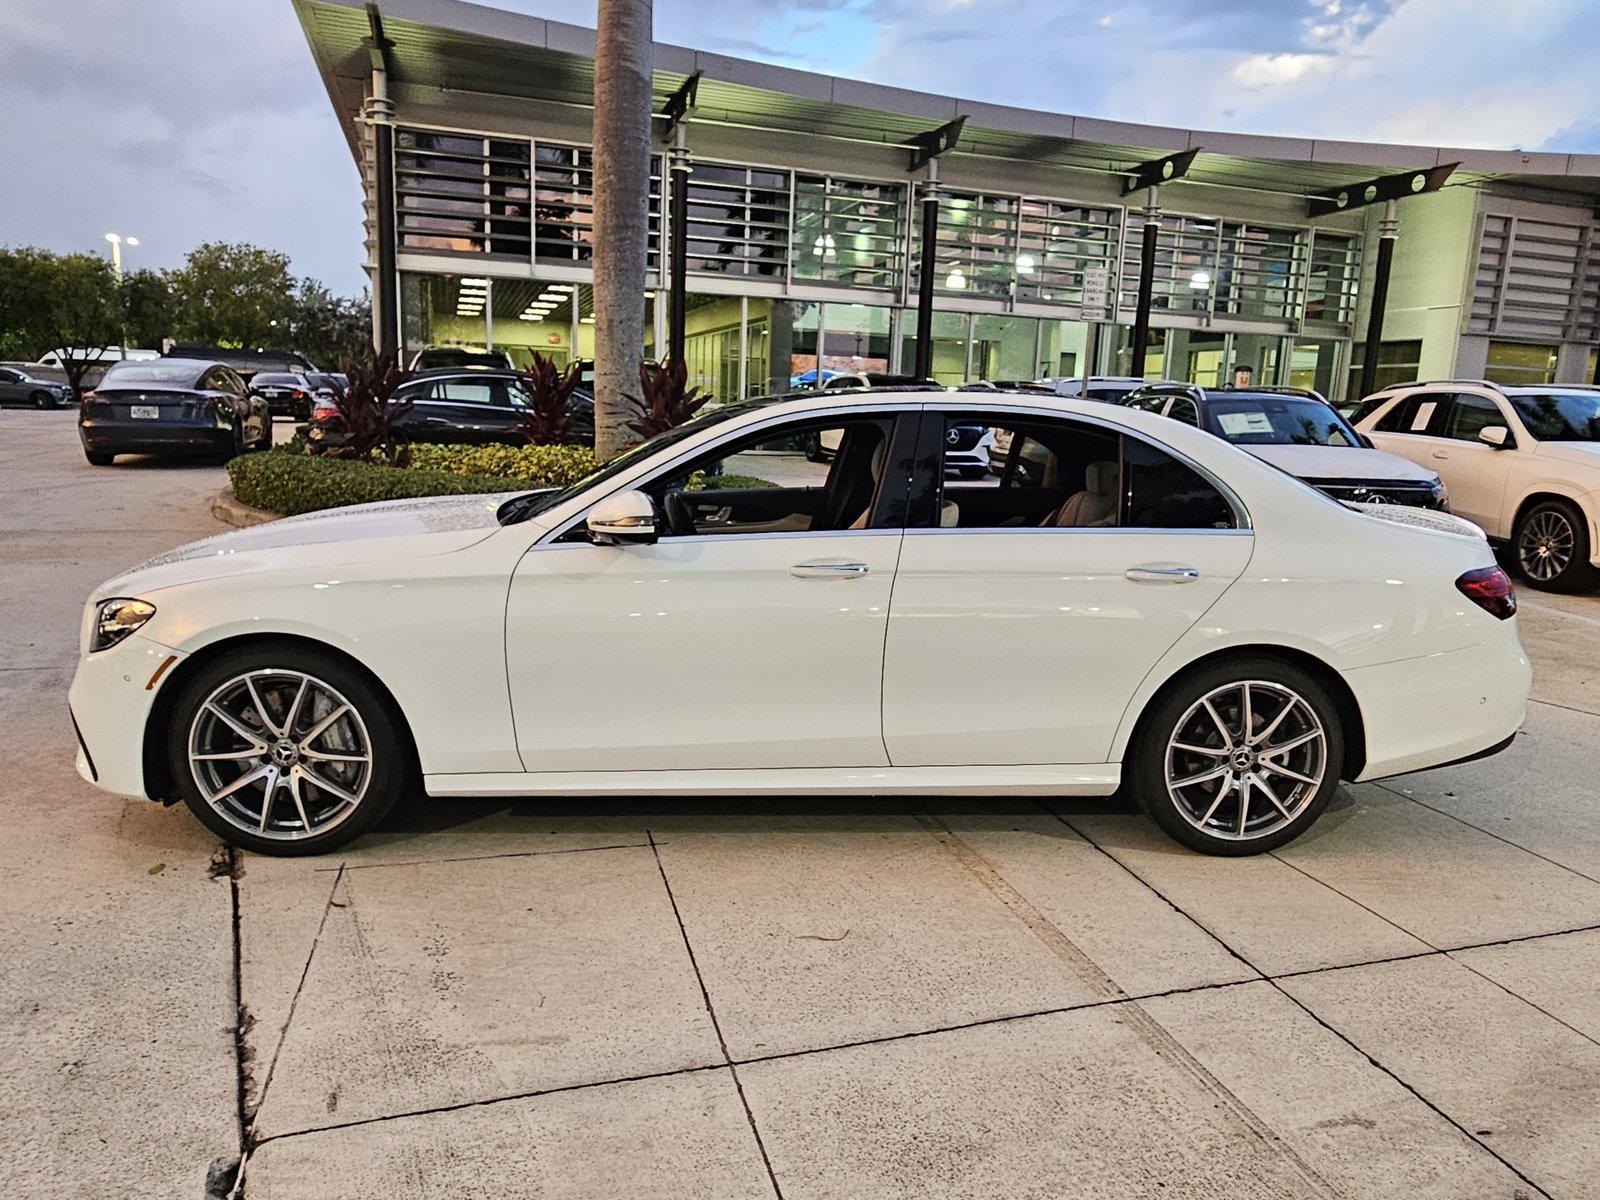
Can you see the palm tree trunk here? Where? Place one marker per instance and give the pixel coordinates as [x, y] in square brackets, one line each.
[622, 137]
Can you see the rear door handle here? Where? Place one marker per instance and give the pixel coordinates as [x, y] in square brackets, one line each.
[1154, 574]
[827, 569]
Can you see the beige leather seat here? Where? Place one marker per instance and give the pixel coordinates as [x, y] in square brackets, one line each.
[1096, 505]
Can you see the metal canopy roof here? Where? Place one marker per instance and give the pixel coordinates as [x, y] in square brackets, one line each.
[457, 46]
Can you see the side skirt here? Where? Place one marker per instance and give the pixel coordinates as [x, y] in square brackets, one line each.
[1091, 779]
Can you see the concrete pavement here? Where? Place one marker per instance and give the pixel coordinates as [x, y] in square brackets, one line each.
[785, 998]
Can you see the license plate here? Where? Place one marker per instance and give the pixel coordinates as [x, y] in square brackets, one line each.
[146, 412]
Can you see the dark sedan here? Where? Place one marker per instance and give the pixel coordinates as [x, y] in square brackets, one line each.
[182, 406]
[23, 384]
[286, 393]
[477, 406]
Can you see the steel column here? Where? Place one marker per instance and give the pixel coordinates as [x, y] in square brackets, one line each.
[1380, 299]
[928, 266]
[678, 247]
[1147, 279]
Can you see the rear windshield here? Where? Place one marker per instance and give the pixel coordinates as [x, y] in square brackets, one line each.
[165, 374]
[1268, 420]
[275, 380]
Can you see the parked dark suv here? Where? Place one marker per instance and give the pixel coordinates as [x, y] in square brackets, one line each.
[477, 405]
[1297, 431]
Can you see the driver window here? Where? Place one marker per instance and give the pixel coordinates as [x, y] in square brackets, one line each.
[802, 478]
[1469, 414]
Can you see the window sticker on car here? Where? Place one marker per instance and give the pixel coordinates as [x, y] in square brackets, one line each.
[1237, 424]
[1419, 423]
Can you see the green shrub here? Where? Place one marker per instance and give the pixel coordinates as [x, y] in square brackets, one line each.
[298, 483]
[555, 466]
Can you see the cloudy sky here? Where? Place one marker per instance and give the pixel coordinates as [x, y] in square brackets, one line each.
[180, 121]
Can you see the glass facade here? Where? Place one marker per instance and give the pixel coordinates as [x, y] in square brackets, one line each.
[1005, 262]
[1515, 363]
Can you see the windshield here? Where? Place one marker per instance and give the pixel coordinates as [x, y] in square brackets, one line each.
[520, 508]
[1560, 416]
[1278, 421]
[168, 374]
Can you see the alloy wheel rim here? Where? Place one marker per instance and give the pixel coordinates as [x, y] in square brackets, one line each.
[1545, 547]
[280, 754]
[1245, 760]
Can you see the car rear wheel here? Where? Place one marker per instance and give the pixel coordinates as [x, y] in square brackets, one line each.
[1239, 757]
[99, 458]
[285, 752]
[1551, 544]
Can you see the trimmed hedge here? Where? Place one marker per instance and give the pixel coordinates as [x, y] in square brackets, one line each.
[290, 484]
[288, 481]
[554, 466]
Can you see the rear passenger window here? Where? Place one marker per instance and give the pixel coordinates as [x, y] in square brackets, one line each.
[1163, 493]
[1062, 475]
[1398, 419]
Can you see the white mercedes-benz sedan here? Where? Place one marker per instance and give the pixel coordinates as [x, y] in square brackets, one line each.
[1182, 619]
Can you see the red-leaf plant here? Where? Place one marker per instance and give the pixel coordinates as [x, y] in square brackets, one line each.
[547, 420]
[667, 401]
[359, 423]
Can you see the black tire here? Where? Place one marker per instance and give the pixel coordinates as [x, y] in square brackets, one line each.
[43, 400]
[390, 773]
[1550, 548]
[1169, 718]
[814, 450]
[99, 458]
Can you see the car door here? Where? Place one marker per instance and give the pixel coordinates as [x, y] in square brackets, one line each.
[1027, 610]
[461, 408]
[1474, 473]
[749, 635]
[1402, 429]
[10, 386]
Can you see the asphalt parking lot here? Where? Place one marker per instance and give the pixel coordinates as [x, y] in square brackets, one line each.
[787, 998]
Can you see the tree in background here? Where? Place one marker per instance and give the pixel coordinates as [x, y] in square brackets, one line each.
[149, 309]
[66, 302]
[233, 293]
[328, 329]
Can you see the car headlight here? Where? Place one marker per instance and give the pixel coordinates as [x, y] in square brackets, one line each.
[115, 619]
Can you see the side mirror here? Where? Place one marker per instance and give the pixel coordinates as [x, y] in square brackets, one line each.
[623, 518]
[1494, 435]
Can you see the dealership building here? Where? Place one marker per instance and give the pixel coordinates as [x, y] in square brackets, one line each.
[807, 201]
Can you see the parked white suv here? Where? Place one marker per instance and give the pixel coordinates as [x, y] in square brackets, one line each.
[1521, 462]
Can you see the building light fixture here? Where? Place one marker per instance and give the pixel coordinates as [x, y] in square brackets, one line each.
[1024, 264]
[956, 281]
[1200, 281]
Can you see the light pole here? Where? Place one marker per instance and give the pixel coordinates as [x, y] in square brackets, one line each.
[117, 241]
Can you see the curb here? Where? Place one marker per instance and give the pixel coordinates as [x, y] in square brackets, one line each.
[226, 508]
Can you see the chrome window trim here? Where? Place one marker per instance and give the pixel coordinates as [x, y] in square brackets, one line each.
[1044, 529]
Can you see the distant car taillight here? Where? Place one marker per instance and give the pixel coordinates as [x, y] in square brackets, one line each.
[298, 394]
[1490, 589]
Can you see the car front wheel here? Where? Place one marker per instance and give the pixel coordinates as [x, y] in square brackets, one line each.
[1240, 757]
[1551, 543]
[283, 751]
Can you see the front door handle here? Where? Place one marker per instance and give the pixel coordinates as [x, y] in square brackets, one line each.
[1440, 454]
[827, 569]
[1154, 574]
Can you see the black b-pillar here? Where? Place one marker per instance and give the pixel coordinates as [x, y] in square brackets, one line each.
[1380, 299]
[380, 116]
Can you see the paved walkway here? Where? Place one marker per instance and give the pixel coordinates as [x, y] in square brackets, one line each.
[785, 998]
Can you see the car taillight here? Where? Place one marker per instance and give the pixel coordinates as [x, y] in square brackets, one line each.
[1490, 589]
[298, 394]
[89, 398]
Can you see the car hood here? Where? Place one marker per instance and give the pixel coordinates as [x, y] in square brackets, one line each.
[1341, 462]
[358, 533]
[1582, 454]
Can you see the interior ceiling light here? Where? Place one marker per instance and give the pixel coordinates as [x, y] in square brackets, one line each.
[1200, 280]
[587, 321]
[955, 281]
[1024, 264]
